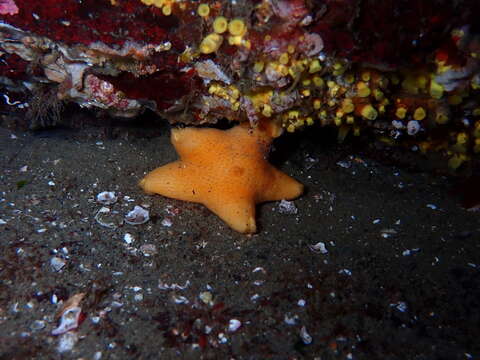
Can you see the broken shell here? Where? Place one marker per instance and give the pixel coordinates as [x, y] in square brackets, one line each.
[148, 249]
[137, 216]
[67, 342]
[57, 263]
[306, 338]
[180, 299]
[319, 247]
[174, 286]
[287, 207]
[107, 198]
[70, 320]
[206, 297]
[413, 127]
[128, 238]
[99, 218]
[234, 325]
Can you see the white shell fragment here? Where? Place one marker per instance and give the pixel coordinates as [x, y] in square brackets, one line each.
[67, 342]
[174, 286]
[69, 320]
[319, 248]
[413, 127]
[180, 300]
[137, 216]
[409, 252]
[345, 272]
[234, 325]
[148, 249]
[128, 238]
[400, 306]
[206, 297]
[287, 207]
[306, 338]
[57, 263]
[99, 218]
[107, 198]
[290, 320]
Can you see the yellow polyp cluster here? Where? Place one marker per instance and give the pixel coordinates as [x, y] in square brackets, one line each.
[229, 93]
[220, 24]
[368, 112]
[441, 116]
[203, 10]
[211, 43]
[436, 90]
[237, 27]
[258, 66]
[295, 119]
[347, 106]
[165, 5]
[237, 30]
[297, 90]
[362, 89]
[419, 114]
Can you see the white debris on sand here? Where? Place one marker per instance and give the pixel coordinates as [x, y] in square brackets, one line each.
[319, 248]
[107, 198]
[287, 207]
[137, 216]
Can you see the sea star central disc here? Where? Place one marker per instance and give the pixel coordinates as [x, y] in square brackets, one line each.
[225, 170]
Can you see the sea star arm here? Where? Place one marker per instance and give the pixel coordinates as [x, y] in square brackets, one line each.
[239, 215]
[173, 180]
[281, 186]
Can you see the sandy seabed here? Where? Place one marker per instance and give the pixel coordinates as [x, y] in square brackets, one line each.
[373, 262]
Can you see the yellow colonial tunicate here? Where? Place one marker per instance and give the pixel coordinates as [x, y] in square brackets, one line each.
[318, 81]
[462, 138]
[366, 76]
[158, 3]
[235, 40]
[476, 132]
[436, 90]
[457, 160]
[317, 104]
[401, 112]
[419, 114]
[211, 43]
[476, 147]
[369, 112]
[378, 94]
[284, 59]
[237, 27]
[267, 110]
[314, 66]
[347, 106]
[362, 89]
[167, 10]
[220, 24]
[203, 10]
[258, 66]
[305, 92]
[349, 78]
[338, 69]
[441, 117]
